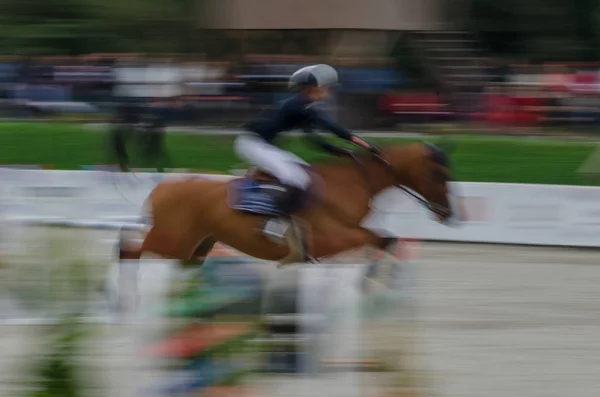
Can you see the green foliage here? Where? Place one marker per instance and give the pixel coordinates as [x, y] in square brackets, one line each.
[84, 26]
[553, 30]
[57, 373]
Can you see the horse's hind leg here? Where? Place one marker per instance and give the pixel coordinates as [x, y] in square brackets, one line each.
[191, 265]
[200, 253]
[125, 249]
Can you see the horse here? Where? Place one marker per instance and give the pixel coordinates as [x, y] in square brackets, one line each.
[189, 215]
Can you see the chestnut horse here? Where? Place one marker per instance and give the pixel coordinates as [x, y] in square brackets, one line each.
[189, 215]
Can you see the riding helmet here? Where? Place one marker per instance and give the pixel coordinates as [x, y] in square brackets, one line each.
[313, 76]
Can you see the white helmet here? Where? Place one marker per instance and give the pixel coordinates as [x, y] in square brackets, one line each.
[313, 76]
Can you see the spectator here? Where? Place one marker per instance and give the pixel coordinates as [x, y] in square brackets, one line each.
[524, 75]
[557, 79]
[497, 107]
[527, 104]
[556, 84]
[25, 71]
[583, 104]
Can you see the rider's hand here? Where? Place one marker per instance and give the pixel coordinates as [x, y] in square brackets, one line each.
[360, 142]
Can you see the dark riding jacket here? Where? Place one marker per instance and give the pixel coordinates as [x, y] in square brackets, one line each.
[297, 112]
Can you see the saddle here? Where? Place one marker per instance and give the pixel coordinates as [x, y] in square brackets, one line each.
[256, 193]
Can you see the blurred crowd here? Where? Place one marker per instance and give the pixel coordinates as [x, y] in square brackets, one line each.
[180, 88]
[510, 96]
[547, 95]
[195, 90]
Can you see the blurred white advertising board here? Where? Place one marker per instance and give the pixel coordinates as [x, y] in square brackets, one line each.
[493, 213]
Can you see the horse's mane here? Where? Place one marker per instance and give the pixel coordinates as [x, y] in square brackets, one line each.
[363, 156]
[337, 161]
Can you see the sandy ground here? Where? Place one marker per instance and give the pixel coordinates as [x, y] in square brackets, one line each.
[506, 321]
[494, 321]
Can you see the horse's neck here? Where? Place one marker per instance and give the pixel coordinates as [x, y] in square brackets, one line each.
[350, 188]
[370, 174]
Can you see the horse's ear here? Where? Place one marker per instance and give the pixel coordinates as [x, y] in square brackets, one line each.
[448, 145]
[438, 154]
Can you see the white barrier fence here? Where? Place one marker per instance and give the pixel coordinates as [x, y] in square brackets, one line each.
[332, 290]
[55, 267]
[342, 328]
[84, 209]
[495, 213]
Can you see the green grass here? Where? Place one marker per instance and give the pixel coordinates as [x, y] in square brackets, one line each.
[479, 159]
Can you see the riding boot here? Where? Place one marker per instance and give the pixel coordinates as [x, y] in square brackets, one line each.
[290, 201]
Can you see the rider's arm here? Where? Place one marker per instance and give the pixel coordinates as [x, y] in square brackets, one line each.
[320, 119]
[318, 141]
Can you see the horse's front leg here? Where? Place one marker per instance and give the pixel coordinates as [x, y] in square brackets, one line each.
[332, 237]
[337, 238]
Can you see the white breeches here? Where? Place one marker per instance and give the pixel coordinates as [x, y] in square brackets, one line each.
[284, 166]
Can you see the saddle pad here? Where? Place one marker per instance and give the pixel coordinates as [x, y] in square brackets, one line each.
[247, 195]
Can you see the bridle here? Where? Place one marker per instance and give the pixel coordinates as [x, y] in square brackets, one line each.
[435, 208]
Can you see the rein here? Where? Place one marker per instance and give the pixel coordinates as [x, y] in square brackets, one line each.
[435, 208]
[363, 168]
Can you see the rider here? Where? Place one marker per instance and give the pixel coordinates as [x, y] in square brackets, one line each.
[311, 84]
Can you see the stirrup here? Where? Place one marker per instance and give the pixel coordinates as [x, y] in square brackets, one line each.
[296, 241]
[276, 229]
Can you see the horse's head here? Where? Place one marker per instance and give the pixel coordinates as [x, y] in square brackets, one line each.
[425, 169]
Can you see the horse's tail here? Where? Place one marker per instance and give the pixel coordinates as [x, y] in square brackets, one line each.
[130, 239]
[146, 214]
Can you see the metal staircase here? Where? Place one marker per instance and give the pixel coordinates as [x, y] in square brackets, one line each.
[455, 56]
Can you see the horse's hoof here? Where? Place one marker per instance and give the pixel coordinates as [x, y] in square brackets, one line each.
[306, 260]
[388, 245]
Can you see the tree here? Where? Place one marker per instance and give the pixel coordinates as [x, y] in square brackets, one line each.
[539, 28]
[84, 26]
